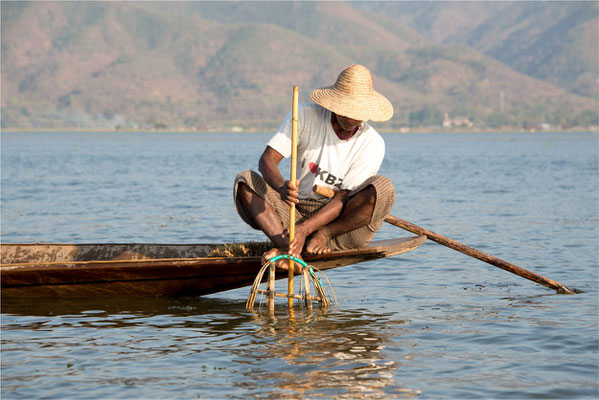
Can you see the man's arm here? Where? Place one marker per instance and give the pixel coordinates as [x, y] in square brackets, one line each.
[269, 168]
[324, 216]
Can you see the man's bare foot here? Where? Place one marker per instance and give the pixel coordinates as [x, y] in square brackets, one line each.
[283, 263]
[317, 243]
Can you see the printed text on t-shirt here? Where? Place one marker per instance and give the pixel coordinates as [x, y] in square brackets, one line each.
[323, 175]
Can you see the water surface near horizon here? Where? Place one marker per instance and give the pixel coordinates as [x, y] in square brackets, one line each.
[431, 323]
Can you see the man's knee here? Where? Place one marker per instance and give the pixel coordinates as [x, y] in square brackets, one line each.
[242, 187]
[384, 190]
[380, 194]
[366, 196]
[370, 193]
[246, 195]
[385, 197]
[242, 190]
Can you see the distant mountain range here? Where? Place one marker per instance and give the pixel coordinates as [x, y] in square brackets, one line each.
[225, 65]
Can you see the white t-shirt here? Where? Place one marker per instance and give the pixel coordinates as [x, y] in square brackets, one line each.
[324, 159]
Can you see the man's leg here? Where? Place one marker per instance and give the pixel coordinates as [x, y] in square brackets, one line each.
[357, 213]
[265, 217]
[262, 214]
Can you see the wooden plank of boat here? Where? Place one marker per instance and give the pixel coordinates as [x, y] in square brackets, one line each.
[81, 270]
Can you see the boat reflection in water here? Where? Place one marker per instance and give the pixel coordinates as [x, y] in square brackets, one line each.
[282, 353]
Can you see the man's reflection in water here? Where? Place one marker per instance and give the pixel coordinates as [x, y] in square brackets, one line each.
[324, 354]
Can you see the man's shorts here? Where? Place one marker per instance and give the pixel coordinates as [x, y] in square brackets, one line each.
[385, 196]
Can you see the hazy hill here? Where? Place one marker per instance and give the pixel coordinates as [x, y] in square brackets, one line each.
[556, 41]
[214, 65]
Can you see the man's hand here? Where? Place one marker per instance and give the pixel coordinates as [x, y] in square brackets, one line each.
[289, 192]
[297, 246]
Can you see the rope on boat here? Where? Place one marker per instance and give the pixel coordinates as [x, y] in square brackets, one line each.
[316, 282]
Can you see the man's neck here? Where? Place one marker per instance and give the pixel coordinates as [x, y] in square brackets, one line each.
[341, 133]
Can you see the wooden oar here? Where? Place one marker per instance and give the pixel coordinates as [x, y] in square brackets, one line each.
[292, 178]
[445, 241]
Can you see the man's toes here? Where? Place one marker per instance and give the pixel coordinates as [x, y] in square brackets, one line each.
[318, 250]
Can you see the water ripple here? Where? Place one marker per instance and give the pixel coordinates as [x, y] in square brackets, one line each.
[429, 324]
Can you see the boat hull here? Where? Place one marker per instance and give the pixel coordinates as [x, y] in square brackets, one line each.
[55, 270]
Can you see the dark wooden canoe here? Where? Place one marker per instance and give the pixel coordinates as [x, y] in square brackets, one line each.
[81, 270]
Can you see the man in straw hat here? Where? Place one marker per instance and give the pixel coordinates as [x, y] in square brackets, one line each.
[336, 149]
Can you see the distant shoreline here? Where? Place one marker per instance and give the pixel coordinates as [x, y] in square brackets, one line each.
[593, 129]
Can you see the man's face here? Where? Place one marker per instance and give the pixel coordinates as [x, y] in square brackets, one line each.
[346, 123]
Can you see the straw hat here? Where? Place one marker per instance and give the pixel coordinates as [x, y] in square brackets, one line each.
[353, 96]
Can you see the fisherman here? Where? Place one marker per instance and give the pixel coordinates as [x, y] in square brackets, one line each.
[337, 149]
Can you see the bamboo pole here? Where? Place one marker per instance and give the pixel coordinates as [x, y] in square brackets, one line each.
[307, 297]
[293, 179]
[271, 287]
[469, 251]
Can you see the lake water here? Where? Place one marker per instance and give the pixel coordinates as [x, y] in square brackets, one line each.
[429, 324]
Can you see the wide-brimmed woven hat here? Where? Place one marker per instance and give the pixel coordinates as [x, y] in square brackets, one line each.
[353, 96]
